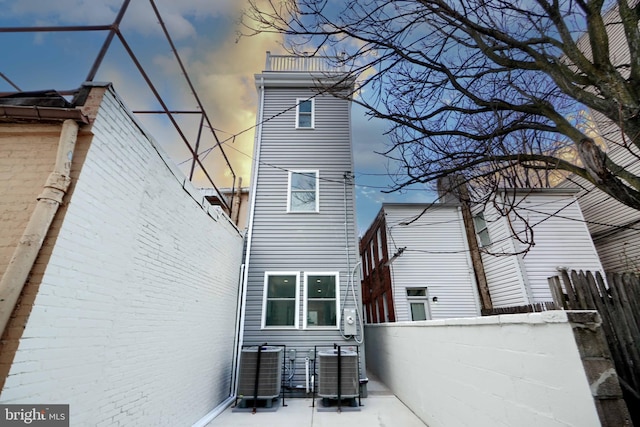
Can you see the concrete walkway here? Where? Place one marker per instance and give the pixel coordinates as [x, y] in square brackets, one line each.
[381, 409]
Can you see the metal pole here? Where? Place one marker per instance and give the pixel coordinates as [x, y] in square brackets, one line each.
[113, 28]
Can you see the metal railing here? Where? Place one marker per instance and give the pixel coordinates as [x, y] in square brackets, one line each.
[322, 64]
[113, 31]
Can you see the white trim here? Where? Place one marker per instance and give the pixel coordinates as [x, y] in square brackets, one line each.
[304, 171]
[204, 421]
[304, 299]
[425, 300]
[313, 113]
[263, 321]
[478, 230]
[249, 236]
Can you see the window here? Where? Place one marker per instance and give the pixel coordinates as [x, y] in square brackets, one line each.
[379, 238]
[374, 264]
[303, 191]
[482, 230]
[418, 303]
[304, 113]
[280, 303]
[385, 308]
[321, 300]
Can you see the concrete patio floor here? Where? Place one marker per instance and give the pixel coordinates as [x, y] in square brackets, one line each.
[381, 409]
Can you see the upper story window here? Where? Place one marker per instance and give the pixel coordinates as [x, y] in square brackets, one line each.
[321, 300]
[379, 239]
[303, 191]
[280, 304]
[482, 231]
[305, 113]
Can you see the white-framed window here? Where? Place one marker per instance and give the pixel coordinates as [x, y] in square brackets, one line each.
[321, 300]
[482, 231]
[418, 299]
[379, 239]
[305, 113]
[280, 300]
[385, 308]
[303, 191]
[374, 262]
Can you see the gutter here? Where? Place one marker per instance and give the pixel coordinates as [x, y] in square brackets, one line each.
[28, 248]
[34, 112]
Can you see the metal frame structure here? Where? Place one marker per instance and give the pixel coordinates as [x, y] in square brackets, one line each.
[113, 30]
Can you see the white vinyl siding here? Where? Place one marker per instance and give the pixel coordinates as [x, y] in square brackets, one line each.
[561, 240]
[504, 274]
[303, 190]
[280, 303]
[436, 254]
[613, 225]
[283, 241]
[305, 113]
[321, 300]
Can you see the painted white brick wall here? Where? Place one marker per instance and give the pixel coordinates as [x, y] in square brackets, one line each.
[134, 323]
[501, 371]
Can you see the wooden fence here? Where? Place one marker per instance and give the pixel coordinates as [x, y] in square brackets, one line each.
[618, 302]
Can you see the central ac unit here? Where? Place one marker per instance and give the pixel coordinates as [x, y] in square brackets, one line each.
[328, 374]
[269, 373]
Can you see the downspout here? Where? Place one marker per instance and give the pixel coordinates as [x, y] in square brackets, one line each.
[49, 201]
[252, 205]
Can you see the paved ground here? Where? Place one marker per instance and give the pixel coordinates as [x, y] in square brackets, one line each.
[380, 409]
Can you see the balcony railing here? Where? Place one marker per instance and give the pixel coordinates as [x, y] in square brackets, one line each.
[303, 63]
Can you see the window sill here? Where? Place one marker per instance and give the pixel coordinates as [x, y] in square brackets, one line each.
[279, 328]
[321, 328]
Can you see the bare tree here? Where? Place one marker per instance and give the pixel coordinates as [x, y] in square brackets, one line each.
[496, 90]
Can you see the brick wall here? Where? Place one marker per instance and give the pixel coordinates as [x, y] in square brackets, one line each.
[27, 156]
[522, 370]
[134, 321]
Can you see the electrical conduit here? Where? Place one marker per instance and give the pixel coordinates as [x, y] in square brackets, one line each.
[34, 234]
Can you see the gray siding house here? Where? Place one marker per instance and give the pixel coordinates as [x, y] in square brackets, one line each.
[301, 271]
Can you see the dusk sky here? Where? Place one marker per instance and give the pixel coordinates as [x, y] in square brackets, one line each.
[220, 65]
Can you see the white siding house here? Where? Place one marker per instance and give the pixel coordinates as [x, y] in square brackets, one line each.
[426, 271]
[614, 227]
[435, 259]
[552, 217]
[301, 255]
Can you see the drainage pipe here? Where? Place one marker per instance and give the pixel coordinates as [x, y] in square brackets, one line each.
[28, 247]
[306, 373]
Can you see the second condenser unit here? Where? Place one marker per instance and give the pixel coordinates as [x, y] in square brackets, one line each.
[328, 362]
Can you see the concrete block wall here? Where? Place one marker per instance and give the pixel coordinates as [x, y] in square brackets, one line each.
[522, 370]
[134, 321]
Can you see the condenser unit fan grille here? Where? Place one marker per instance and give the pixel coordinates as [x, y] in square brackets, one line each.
[270, 376]
[328, 374]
